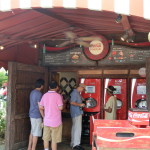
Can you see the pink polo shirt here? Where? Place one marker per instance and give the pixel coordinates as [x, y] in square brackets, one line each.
[52, 115]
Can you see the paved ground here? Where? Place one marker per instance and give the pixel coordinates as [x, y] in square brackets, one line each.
[61, 146]
[66, 146]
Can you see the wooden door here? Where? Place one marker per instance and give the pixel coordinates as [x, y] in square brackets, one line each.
[21, 81]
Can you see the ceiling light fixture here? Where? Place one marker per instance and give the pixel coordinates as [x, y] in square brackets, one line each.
[1, 47]
[118, 19]
[33, 45]
[131, 39]
[125, 37]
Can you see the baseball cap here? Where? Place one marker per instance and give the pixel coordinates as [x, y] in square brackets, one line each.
[82, 85]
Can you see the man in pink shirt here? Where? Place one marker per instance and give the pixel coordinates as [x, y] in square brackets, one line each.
[50, 106]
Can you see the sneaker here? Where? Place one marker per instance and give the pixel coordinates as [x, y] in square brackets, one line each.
[78, 147]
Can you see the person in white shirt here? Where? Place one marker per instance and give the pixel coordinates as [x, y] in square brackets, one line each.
[111, 105]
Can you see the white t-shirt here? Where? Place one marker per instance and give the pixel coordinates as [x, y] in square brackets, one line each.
[112, 103]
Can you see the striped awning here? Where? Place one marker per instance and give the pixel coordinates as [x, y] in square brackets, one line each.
[139, 8]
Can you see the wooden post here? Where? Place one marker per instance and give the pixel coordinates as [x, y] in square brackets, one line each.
[148, 83]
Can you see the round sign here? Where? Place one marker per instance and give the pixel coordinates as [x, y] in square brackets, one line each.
[142, 72]
[98, 48]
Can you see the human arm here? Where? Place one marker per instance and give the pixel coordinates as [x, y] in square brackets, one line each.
[77, 104]
[109, 105]
[60, 102]
[75, 97]
[109, 109]
[41, 108]
[60, 107]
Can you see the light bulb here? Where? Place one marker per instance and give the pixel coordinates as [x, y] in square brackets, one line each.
[1, 47]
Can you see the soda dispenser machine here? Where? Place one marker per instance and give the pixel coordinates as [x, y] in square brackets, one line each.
[91, 96]
[120, 93]
[138, 93]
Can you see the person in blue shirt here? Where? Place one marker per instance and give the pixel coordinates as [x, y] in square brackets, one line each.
[34, 114]
[76, 114]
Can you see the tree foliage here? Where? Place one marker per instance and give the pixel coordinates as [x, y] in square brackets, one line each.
[3, 78]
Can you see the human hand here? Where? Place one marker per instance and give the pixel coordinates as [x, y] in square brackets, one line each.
[82, 105]
[42, 125]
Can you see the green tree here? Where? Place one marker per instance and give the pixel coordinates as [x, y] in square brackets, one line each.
[3, 78]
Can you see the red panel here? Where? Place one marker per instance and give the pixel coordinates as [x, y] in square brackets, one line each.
[96, 95]
[135, 95]
[107, 131]
[21, 53]
[138, 118]
[27, 55]
[92, 120]
[122, 85]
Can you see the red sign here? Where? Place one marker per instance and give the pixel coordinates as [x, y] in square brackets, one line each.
[98, 48]
[138, 118]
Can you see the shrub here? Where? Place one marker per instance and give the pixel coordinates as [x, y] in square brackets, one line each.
[2, 118]
[3, 78]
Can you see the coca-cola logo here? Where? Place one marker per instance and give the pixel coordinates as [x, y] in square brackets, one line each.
[138, 115]
[96, 47]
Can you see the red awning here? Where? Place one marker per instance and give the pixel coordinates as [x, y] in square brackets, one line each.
[21, 53]
[128, 7]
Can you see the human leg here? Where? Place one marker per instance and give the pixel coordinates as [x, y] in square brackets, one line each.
[34, 142]
[56, 136]
[46, 145]
[36, 131]
[30, 142]
[46, 137]
[72, 132]
[54, 146]
[76, 130]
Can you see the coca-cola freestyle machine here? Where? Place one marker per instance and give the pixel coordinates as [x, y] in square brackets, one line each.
[120, 93]
[138, 93]
[92, 96]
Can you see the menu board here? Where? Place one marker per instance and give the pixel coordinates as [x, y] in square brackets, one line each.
[119, 55]
[72, 57]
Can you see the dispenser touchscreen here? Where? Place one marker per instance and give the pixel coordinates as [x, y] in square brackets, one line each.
[118, 90]
[141, 89]
[90, 89]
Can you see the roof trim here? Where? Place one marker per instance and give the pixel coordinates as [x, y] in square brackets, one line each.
[127, 7]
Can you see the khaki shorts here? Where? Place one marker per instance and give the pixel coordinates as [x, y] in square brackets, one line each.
[53, 134]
